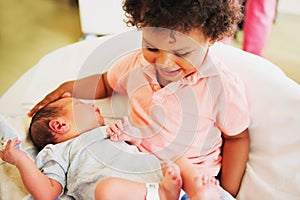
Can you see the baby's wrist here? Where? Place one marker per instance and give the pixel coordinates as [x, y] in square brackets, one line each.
[20, 159]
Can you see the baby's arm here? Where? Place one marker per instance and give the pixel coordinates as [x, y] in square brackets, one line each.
[123, 130]
[37, 183]
[235, 157]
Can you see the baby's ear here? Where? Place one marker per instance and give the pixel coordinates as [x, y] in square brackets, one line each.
[59, 125]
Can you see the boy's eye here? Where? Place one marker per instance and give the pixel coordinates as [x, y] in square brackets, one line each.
[181, 54]
[152, 49]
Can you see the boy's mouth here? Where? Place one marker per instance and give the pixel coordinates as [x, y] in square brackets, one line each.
[168, 72]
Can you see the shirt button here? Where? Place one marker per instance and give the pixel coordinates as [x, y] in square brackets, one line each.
[155, 87]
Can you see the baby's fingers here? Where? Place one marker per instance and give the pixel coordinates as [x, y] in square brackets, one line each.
[12, 143]
[12, 154]
[113, 132]
[117, 127]
[125, 122]
[2, 155]
[7, 150]
[114, 129]
[109, 132]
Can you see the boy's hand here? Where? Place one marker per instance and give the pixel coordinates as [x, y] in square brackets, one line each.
[11, 153]
[123, 130]
[64, 90]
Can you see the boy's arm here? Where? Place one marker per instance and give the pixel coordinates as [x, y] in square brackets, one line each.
[235, 156]
[91, 87]
[37, 183]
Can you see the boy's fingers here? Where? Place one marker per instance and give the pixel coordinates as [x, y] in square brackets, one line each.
[51, 97]
[66, 94]
[33, 110]
[40, 105]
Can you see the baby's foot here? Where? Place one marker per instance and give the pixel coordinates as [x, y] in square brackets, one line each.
[207, 188]
[170, 186]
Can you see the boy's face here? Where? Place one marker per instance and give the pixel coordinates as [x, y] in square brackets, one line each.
[175, 55]
[83, 116]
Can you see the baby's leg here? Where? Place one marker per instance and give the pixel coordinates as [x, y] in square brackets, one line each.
[118, 188]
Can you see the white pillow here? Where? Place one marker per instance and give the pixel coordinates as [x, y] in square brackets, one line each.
[13, 126]
[274, 101]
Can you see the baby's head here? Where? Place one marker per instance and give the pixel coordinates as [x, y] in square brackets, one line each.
[62, 120]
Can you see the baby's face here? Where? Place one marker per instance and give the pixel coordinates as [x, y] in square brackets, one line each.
[84, 116]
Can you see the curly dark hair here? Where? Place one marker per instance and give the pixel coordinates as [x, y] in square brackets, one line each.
[39, 130]
[215, 18]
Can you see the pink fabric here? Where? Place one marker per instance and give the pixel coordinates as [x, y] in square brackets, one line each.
[187, 116]
[259, 16]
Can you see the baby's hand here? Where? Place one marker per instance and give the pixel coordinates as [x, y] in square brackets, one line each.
[124, 131]
[11, 153]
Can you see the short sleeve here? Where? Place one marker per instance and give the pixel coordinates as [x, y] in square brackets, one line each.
[52, 162]
[116, 75]
[236, 116]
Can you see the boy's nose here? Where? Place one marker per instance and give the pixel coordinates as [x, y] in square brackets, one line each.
[166, 59]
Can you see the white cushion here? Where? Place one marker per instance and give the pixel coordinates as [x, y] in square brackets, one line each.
[274, 100]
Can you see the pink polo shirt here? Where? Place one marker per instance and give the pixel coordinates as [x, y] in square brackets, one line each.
[186, 117]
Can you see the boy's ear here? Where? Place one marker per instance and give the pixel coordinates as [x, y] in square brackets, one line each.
[211, 42]
[59, 125]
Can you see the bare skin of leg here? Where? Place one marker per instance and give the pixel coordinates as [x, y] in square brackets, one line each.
[170, 186]
[207, 188]
[118, 188]
[197, 187]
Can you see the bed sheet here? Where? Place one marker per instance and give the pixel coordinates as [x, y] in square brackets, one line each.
[274, 101]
